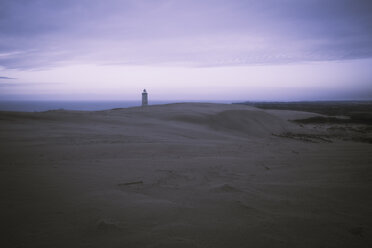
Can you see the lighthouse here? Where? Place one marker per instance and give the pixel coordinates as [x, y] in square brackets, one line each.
[144, 98]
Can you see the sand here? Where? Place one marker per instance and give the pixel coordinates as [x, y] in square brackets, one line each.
[181, 175]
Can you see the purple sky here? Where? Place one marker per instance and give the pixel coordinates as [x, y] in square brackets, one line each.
[186, 50]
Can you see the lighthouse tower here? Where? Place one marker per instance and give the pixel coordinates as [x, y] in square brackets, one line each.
[144, 98]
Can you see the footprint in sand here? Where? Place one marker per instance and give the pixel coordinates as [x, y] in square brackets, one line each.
[225, 188]
[176, 242]
[107, 225]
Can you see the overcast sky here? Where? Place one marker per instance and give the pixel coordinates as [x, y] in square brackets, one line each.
[180, 50]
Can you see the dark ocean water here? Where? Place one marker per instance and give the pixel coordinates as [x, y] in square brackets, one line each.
[31, 106]
[37, 106]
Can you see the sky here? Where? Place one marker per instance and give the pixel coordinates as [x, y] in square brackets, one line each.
[186, 49]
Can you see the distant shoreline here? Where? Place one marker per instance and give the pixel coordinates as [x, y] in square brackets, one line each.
[310, 106]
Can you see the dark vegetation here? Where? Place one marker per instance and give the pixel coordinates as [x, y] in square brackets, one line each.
[356, 112]
[365, 119]
[313, 138]
[345, 120]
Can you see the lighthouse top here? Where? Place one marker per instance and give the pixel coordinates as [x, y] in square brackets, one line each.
[144, 98]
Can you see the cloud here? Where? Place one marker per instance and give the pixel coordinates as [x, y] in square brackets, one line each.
[1, 77]
[7, 85]
[29, 84]
[41, 33]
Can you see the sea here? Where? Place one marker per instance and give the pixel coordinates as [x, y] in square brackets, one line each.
[39, 106]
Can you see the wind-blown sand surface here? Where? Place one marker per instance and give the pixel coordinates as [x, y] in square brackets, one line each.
[180, 175]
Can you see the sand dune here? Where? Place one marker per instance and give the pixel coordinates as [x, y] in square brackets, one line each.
[181, 175]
